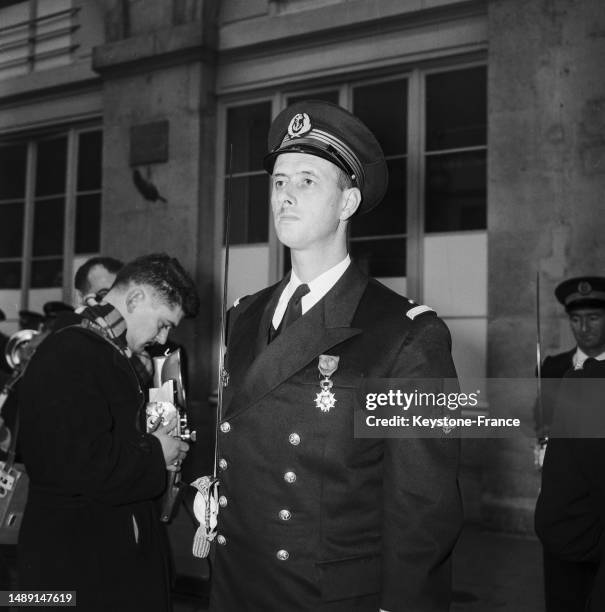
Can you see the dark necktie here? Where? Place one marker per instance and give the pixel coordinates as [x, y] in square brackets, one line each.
[293, 310]
[591, 368]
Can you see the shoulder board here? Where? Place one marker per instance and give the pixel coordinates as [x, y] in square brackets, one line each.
[412, 313]
[239, 299]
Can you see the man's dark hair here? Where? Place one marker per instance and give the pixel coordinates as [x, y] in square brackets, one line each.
[166, 276]
[343, 180]
[81, 278]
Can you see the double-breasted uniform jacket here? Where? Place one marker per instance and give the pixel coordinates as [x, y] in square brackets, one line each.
[90, 524]
[570, 513]
[311, 518]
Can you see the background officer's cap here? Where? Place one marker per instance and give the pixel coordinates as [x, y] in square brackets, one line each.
[582, 292]
[328, 131]
[52, 309]
[28, 319]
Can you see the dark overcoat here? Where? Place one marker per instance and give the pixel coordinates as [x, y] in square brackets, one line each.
[313, 519]
[555, 366]
[570, 511]
[552, 371]
[90, 524]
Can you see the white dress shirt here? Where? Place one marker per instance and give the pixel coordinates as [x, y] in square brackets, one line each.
[580, 357]
[318, 287]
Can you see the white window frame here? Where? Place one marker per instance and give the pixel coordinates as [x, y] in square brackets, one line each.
[72, 134]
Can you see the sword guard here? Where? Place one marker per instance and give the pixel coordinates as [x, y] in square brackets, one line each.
[224, 377]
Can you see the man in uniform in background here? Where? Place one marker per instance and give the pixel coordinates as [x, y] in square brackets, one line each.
[95, 276]
[584, 302]
[570, 514]
[311, 518]
[90, 524]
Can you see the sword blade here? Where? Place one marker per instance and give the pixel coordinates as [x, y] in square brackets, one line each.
[540, 411]
[222, 347]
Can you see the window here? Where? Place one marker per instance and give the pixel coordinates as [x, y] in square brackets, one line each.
[456, 137]
[50, 208]
[378, 240]
[247, 128]
[13, 161]
[36, 35]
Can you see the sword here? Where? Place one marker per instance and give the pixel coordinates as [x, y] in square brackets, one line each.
[205, 503]
[542, 436]
[223, 376]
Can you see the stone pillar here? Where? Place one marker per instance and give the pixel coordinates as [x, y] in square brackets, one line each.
[158, 71]
[546, 180]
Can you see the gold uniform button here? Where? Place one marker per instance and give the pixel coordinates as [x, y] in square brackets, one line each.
[226, 427]
[222, 501]
[221, 539]
[223, 464]
[283, 555]
[290, 477]
[294, 439]
[285, 515]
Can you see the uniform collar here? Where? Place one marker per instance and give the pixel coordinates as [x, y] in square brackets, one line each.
[580, 357]
[326, 325]
[318, 288]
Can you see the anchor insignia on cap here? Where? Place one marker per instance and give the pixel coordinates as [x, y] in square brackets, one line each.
[584, 288]
[299, 124]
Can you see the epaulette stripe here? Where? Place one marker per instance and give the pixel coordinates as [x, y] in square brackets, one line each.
[412, 313]
[236, 303]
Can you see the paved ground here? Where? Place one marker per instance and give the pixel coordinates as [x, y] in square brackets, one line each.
[497, 573]
[493, 572]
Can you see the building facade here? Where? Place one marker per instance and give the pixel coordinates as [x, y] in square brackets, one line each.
[125, 125]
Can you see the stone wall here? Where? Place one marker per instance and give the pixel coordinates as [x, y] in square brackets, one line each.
[546, 180]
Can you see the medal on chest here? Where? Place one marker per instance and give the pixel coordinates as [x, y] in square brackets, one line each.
[327, 365]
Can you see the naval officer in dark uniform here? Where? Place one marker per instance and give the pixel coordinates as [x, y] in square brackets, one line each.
[312, 519]
[584, 302]
[570, 513]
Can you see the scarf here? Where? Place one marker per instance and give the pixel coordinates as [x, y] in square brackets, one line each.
[106, 321]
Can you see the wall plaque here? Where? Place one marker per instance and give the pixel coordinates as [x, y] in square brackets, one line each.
[149, 143]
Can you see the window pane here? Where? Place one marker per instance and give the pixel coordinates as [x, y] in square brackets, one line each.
[12, 171]
[47, 273]
[10, 274]
[389, 217]
[383, 108]
[456, 109]
[247, 129]
[326, 96]
[456, 192]
[382, 258]
[88, 223]
[249, 209]
[11, 229]
[90, 161]
[50, 167]
[48, 227]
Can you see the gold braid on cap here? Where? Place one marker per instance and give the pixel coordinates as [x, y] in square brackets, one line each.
[332, 145]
